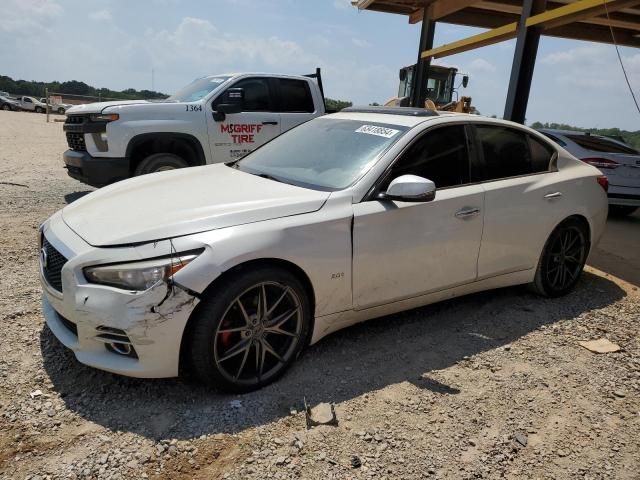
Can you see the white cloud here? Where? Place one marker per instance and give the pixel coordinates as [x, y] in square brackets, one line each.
[103, 15]
[22, 17]
[480, 65]
[358, 42]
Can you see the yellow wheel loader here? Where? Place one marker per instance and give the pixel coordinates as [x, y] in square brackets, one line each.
[441, 90]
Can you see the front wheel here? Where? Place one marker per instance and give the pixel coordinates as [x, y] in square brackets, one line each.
[61, 111]
[248, 333]
[160, 162]
[6, 107]
[39, 110]
[562, 259]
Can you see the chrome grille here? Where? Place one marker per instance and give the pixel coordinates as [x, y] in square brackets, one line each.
[75, 119]
[52, 262]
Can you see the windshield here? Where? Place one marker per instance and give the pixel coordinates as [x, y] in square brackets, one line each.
[323, 154]
[198, 89]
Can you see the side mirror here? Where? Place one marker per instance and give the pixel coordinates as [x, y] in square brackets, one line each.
[232, 102]
[410, 188]
[465, 81]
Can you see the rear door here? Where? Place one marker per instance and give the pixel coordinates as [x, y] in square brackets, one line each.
[295, 102]
[402, 249]
[243, 132]
[523, 200]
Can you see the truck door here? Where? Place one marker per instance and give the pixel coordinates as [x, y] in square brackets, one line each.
[26, 103]
[240, 133]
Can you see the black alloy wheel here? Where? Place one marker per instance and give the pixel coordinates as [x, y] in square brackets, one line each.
[247, 334]
[563, 259]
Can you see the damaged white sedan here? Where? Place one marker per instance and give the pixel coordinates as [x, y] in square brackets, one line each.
[231, 269]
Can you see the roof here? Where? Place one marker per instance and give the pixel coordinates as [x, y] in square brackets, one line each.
[591, 23]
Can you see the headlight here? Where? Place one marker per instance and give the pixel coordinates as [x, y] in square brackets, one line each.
[104, 117]
[138, 275]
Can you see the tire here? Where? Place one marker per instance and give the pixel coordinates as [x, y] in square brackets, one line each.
[160, 162]
[61, 111]
[228, 342]
[39, 110]
[621, 210]
[6, 107]
[562, 259]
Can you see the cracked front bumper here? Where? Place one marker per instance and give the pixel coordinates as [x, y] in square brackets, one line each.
[153, 321]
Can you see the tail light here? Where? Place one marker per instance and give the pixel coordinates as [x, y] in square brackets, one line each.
[603, 181]
[601, 162]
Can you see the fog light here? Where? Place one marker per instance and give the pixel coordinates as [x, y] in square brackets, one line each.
[103, 137]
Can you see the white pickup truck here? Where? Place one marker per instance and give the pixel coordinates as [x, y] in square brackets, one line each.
[32, 104]
[214, 119]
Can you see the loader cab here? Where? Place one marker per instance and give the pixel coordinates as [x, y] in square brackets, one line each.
[441, 86]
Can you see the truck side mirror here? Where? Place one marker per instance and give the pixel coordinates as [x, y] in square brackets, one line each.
[232, 102]
[465, 81]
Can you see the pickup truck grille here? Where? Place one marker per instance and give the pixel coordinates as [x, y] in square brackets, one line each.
[76, 141]
[52, 263]
[75, 119]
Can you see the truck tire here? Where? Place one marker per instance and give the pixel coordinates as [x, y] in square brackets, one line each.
[160, 162]
[39, 110]
[61, 111]
[6, 106]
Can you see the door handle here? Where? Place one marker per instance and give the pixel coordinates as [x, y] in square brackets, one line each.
[467, 212]
[551, 196]
[273, 122]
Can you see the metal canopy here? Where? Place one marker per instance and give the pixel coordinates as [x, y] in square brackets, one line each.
[584, 20]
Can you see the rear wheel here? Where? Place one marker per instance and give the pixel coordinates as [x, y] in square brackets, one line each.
[39, 110]
[160, 162]
[6, 106]
[563, 259]
[248, 333]
[621, 210]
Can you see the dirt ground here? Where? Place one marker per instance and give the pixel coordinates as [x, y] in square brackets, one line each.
[493, 385]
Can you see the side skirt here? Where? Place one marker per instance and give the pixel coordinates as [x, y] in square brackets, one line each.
[336, 321]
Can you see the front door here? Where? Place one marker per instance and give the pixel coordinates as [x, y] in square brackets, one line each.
[403, 250]
[240, 133]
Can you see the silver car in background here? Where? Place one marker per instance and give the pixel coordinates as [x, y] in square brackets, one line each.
[617, 160]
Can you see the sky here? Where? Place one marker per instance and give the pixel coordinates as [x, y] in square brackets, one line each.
[116, 44]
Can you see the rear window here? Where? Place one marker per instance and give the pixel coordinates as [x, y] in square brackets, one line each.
[295, 96]
[600, 144]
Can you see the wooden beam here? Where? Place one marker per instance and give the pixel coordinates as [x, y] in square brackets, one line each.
[442, 8]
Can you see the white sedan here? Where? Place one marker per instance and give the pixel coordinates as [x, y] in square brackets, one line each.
[230, 270]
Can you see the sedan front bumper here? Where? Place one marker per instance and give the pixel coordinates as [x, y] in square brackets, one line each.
[89, 318]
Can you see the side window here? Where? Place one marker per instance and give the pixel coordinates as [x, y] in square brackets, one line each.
[541, 155]
[505, 150]
[27, 100]
[295, 96]
[441, 155]
[257, 97]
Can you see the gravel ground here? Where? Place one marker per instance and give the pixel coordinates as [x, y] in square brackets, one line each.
[493, 385]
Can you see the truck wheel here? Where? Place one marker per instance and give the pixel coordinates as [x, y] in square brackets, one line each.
[6, 106]
[160, 162]
[39, 110]
[61, 111]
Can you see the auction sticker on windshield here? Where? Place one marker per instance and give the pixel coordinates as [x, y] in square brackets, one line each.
[379, 131]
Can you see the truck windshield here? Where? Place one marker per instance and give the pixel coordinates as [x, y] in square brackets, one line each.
[323, 154]
[198, 89]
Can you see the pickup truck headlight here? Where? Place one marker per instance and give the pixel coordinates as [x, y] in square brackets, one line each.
[138, 276]
[104, 117]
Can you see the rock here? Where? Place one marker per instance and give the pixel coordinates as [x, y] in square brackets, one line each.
[521, 438]
[602, 345]
[321, 414]
[235, 404]
[356, 462]
[619, 394]
[281, 460]
[36, 393]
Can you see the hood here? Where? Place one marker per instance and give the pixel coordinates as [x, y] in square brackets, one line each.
[100, 106]
[182, 202]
